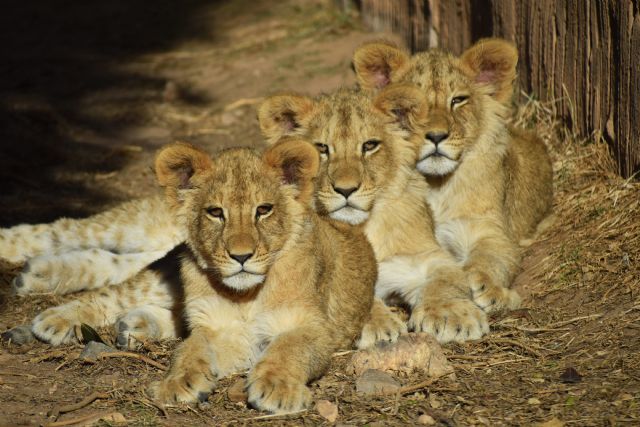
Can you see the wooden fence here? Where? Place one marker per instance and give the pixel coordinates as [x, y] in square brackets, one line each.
[583, 53]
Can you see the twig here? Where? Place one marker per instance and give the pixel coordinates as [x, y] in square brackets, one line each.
[135, 356]
[575, 319]
[153, 404]
[420, 385]
[517, 344]
[78, 420]
[270, 416]
[16, 374]
[55, 413]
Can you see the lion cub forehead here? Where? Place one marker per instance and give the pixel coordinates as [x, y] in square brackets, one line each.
[240, 174]
[437, 70]
[347, 114]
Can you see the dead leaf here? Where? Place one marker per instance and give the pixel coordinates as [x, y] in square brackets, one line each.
[570, 375]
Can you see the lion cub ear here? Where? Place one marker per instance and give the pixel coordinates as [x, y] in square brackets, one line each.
[297, 163]
[404, 104]
[176, 164]
[493, 61]
[378, 64]
[283, 115]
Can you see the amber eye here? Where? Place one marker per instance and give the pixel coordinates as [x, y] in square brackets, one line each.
[215, 212]
[456, 100]
[322, 148]
[262, 210]
[370, 145]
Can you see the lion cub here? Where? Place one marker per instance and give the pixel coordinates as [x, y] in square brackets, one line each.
[269, 285]
[488, 184]
[367, 177]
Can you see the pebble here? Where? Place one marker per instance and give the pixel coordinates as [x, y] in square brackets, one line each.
[426, 420]
[327, 410]
[373, 382]
[94, 349]
[19, 335]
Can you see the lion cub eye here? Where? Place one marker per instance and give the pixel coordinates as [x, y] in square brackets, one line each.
[263, 210]
[322, 148]
[457, 100]
[215, 212]
[370, 145]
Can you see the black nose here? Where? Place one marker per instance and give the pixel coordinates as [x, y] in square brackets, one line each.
[436, 137]
[346, 192]
[241, 258]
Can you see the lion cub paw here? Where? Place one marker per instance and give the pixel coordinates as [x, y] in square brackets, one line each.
[183, 385]
[382, 327]
[457, 320]
[272, 388]
[56, 325]
[34, 278]
[490, 296]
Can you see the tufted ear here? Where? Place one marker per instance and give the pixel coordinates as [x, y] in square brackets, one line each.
[402, 103]
[297, 162]
[175, 166]
[493, 61]
[282, 115]
[378, 64]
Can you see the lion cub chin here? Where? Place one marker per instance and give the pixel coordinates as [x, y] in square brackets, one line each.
[264, 289]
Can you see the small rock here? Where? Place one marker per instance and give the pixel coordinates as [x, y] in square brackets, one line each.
[570, 375]
[427, 420]
[412, 351]
[327, 410]
[94, 349]
[19, 335]
[373, 382]
[236, 392]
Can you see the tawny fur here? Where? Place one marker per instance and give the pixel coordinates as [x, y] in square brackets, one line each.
[376, 166]
[488, 184]
[304, 290]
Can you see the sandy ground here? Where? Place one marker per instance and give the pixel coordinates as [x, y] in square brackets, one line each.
[89, 90]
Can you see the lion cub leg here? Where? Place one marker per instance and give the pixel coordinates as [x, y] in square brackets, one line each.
[383, 325]
[136, 226]
[101, 307]
[146, 323]
[202, 358]
[434, 286]
[80, 270]
[490, 260]
[278, 382]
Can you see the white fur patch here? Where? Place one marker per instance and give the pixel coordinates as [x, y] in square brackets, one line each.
[350, 215]
[432, 164]
[243, 280]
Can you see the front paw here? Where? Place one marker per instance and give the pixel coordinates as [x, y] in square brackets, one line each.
[56, 325]
[456, 319]
[385, 326]
[188, 387]
[490, 296]
[272, 388]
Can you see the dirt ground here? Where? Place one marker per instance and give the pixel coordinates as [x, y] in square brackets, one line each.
[89, 90]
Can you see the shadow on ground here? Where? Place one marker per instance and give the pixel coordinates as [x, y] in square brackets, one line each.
[60, 59]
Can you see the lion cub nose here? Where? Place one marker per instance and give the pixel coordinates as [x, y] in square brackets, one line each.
[436, 137]
[346, 192]
[241, 258]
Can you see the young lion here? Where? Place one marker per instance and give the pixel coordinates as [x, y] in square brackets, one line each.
[367, 177]
[269, 284]
[488, 184]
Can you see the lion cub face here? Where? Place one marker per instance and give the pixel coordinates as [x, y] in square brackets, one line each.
[240, 209]
[359, 158]
[460, 97]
